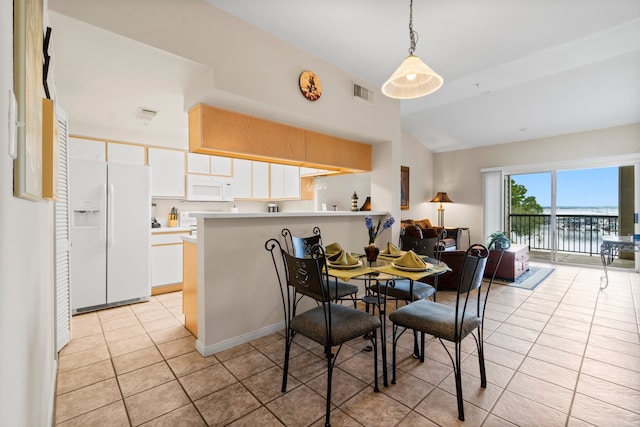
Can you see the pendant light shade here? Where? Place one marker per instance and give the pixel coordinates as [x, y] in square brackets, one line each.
[413, 78]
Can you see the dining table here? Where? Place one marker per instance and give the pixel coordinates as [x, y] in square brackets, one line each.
[383, 270]
[610, 248]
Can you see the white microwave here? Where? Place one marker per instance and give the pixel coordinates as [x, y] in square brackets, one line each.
[205, 188]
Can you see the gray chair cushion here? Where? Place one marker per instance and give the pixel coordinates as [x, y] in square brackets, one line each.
[434, 319]
[400, 290]
[342, 290]
[347, 323]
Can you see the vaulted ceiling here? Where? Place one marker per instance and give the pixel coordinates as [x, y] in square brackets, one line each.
[513, 69]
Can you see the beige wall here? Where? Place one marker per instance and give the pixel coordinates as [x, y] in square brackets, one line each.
[26, 279]
[421, 187]
[458, 172]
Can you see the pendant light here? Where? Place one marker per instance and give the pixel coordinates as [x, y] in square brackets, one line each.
[413, 78]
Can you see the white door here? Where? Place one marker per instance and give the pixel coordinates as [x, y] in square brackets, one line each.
[128, 232]
[61, 221]
[87, 255]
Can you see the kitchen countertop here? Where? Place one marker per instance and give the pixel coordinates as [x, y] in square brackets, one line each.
[171, 230]
[229, 215]
[190, 239]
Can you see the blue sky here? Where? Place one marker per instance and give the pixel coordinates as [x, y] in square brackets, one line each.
[584, 187]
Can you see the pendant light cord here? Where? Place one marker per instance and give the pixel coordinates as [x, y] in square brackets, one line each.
[412, 34]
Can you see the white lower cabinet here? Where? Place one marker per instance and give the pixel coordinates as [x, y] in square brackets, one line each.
[166, 259]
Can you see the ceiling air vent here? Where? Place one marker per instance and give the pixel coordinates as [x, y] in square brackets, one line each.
[362, 93]
[145, 114]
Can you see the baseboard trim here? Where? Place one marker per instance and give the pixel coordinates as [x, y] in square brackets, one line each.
[52, 407]
[240, 339]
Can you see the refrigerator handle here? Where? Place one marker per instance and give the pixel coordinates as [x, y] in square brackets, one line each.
[105, 212]
[111, 210]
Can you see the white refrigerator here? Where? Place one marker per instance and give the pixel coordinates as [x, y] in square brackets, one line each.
[110, 215]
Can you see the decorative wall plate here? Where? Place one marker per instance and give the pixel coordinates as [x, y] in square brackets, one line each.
[310, 85]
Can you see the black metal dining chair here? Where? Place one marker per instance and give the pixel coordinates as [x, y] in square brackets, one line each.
[413, 290]
[329, 324]
[302, 246]
[453, 323]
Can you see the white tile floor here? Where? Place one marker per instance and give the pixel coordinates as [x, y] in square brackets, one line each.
[564, 354]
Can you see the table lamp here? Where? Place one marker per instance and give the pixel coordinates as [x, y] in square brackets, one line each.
[441, 197]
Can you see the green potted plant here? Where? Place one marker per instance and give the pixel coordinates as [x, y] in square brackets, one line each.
[498, 238]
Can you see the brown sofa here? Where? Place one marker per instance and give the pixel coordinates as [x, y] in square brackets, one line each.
[450, 240]
[422, 237]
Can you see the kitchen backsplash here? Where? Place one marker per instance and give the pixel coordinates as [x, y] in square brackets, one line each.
[163, 206]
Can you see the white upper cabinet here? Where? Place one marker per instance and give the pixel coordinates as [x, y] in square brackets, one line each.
[126, 154]
[291, 182]
[167, 173]
[242, 178]
[208, 165]
[260, 171]
[285, 181]
[86, 149]
[220, 166]
[250, 179]
[277, 181]
[198, 163]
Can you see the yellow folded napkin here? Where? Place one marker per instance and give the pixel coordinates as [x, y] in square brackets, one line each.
[391, 250]
[343, 258]
[410, 260]
[333, 248]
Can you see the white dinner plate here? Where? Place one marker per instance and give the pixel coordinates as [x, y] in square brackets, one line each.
[399, 267]
[345, 267]
[398, 255]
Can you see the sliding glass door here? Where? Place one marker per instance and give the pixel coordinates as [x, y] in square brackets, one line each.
[563, 215]
[529, 213]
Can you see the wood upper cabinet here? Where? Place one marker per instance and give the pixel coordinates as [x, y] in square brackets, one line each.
[226, 133]
[331, 151]
[216, 131]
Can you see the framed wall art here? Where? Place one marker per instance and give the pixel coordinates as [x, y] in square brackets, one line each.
[404, 187]
[28, 88]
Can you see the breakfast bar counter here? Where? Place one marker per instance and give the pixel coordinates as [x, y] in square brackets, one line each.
[238, 298]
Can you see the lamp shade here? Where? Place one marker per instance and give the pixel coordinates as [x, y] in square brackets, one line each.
[441, 197]
[412, 79]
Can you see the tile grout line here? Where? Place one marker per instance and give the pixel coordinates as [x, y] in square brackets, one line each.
[165, 360]
[490, 411]
[584, 357]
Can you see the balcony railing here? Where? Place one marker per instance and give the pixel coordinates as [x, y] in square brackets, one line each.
[574, 233]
